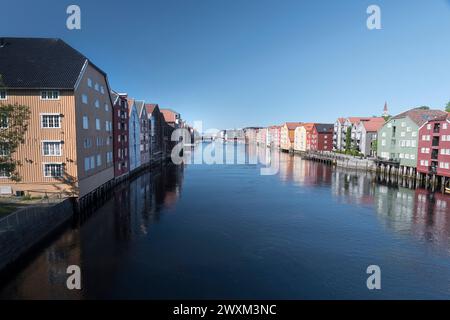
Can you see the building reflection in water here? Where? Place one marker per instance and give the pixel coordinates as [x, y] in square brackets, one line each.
[106, 235]
[405, 211]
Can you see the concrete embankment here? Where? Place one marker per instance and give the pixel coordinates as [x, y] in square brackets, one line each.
[343, 161]
[25, 229]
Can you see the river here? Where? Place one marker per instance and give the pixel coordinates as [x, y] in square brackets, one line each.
[201, 231]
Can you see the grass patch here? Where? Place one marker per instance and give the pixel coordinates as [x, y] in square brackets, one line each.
[8, 208]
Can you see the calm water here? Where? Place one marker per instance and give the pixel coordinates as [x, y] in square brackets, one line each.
[225, 231]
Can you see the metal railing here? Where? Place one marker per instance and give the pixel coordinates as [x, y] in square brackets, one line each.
[27, 216]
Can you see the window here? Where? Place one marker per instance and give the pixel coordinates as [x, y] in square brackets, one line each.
[84, 99]
[4, 173]
[89, 82]
[383, 142]
[49, 95]
[413, 143]
[85, 122]
[3, 121]
[102, 89]
[412, 157]
[52, 170]
[4, 150]
[428, 126]
[99, 160]
[96, 87]
[87, 143]
[444, 138]
[51, 121]
[87, 164]
[408, 129]
[97, 124]
[414, 134]
[3, 95]
[382, 134]
[51, 148]
[99, 141]
[401, 156]
[92, 159]
[106, 107]
[403, 124]
[109, 156]
[97, 104]
[403, 133]
[444, 126]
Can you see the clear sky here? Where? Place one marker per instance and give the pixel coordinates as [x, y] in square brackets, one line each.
[235, 63]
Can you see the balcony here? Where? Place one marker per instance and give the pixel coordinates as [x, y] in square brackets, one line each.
[432, 169]
[437, 128]
[434, 154]
[435, 142]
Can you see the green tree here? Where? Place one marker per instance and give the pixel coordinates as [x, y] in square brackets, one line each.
[14, 120]
[447, 107]
[374, 147]
[348, 139]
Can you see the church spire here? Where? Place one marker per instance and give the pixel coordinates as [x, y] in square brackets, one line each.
[385, 110]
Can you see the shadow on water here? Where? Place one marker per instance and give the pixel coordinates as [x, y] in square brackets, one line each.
[102, 230]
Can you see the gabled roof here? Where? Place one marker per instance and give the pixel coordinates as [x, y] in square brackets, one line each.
[140, 106]
[292, 125]
[40, 63]
[373, 125]
[169, 115]
[324, 127]
[341, 120]
[130, 105]
[308, 126]
[355, 120]
[421, 115]
[151, 107]
[114, 96]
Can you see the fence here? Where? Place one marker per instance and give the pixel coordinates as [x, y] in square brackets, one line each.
[25, 228]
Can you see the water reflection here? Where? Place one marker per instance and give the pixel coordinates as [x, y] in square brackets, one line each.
[107, 235]
[229, 232]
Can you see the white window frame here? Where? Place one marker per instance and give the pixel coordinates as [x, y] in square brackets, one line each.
[52, 163]
[47, 94]
[43, 142]
[41, 115]
[89, 82]
[5, 95]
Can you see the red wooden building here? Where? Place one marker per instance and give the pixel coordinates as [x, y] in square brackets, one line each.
[120, 134]
[434, 147]
[322, 137]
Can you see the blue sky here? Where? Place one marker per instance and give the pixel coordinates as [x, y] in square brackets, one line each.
[235, 63]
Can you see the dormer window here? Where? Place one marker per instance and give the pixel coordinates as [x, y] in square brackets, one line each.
[50, 95]
[3, 95]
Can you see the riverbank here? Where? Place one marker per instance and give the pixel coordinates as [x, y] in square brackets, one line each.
[26, 228]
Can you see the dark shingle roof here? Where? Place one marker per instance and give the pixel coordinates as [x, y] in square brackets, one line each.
[36, 63]
[421, 115]
[324, 127]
